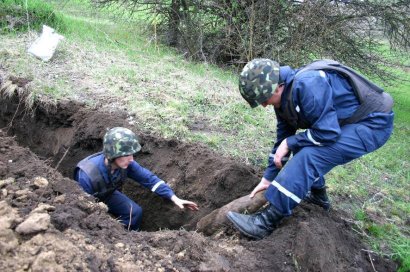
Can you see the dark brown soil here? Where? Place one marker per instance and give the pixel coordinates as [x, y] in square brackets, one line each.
[47, 141]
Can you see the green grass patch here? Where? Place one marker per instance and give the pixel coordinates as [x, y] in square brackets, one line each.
[360, 215]
[20, 15]
[382, 234]
[380, 182]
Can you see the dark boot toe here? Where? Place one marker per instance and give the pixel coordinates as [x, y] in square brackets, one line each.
[311, 198]
[246, 226]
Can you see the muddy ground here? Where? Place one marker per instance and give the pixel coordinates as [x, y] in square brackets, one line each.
[48, 224]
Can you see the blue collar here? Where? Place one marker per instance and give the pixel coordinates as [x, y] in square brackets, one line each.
[286, 74]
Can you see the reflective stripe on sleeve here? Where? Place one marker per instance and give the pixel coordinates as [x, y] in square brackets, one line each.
[309, 135]
[286, 158]
[284, 191]
[157, 185]
[271, 155]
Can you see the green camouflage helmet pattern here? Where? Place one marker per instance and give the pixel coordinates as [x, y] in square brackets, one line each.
[119, 142]
[258, 81]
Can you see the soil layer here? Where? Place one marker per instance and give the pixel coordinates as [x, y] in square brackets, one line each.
[48, 223]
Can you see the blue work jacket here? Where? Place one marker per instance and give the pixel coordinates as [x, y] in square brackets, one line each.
[322, 98]
[134, 171]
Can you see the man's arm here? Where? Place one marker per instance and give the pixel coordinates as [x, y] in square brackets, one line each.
[283, 131]
[147, 179]
[314, 97]
[158, 186]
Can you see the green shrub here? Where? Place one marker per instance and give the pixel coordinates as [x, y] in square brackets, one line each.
[20, 15]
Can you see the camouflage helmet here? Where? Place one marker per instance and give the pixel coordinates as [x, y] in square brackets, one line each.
[258, 81]
[119, 142]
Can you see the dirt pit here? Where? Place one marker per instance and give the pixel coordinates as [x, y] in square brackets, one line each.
[47, 223]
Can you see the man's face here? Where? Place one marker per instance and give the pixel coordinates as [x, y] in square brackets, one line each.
[123, 162]
[275, 98]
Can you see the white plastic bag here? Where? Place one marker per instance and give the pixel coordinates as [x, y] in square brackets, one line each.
[45, 45]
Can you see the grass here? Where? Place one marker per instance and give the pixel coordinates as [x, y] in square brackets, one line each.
[380, 183]
[383, 235]
[25, 15]
[118, 65]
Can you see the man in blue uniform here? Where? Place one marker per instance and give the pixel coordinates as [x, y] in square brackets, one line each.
[102, 175]
[344, 115]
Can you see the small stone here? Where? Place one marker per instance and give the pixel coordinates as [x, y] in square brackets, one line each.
[40, 182]
[21, 198]
[181, 254]
[103, 206]
[23, 192]
[4, 182]
[8, 241]
[8, 215]
[42, 208]
[119, 245]
[36, 222]
[46, 260]
[59, 199]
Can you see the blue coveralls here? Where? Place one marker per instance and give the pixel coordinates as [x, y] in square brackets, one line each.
[118, 203]
[322, 98]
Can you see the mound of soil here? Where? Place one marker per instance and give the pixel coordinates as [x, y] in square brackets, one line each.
[48, 223]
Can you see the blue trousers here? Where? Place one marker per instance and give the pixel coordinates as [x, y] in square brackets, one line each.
[126, 210]
[308, 166]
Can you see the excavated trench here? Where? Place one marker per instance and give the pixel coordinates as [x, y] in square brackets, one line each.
[65, 133]
[61, 135]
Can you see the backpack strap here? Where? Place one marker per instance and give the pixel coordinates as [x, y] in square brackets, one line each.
[100, 187]
[371, 97]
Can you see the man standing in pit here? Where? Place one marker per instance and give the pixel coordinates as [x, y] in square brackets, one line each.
[103, 174]
[345, 116]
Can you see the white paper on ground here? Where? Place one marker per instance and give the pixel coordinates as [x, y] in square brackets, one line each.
[45, 45]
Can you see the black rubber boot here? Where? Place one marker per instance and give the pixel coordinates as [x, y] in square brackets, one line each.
[318, 197]
[259, 225]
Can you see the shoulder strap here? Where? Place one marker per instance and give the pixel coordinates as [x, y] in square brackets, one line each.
[97, 180]
[371, 97]
[361, 85]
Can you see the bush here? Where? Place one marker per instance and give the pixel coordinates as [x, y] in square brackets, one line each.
[16, 16]
[232, 32]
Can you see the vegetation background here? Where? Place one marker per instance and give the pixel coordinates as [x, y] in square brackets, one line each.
[119, 53]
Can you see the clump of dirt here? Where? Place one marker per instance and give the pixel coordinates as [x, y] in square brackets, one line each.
[48, 222]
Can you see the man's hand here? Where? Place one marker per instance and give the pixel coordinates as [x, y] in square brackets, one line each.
[281, 152]
[184, 203]
[263, 185]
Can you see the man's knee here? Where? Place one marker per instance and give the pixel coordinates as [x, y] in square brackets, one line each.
[136, 210]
